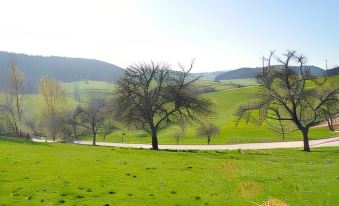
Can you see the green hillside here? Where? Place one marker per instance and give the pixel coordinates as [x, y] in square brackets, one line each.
[88, 86]
[64, 69]
[226, 103]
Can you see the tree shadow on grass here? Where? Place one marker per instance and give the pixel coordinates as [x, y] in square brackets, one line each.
[22, 141]
[329, 150]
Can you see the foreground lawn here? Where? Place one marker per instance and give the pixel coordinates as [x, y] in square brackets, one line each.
[64, 174]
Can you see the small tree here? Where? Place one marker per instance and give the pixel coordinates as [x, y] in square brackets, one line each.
[13, 106]
[108, 127]
[92, 113]
[285, 88]
[53, 99]
[76, 93]
[16, 89]
[180, 132]
[71, 125]
[329, 112]
[207, 130]
[151, 96]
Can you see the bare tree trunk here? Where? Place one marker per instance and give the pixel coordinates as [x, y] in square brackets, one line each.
[53, 132]
[94, 138]
[282, 128]
[75, 134]
[54, 125]
[13, 123]
[330, 124]
[208, 140]
[305, 139]
[154, 139]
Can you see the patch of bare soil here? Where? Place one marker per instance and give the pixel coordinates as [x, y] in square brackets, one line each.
[249, 188]
[274, 202]
[229, 168]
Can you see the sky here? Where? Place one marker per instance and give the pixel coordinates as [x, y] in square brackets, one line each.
[218, 34]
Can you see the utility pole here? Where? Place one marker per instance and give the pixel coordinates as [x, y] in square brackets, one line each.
[326, 67]
[263, 64]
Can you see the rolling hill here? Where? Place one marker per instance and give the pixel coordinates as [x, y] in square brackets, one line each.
[247, 72]
[333, 71]
[62, 68]
[206, 75]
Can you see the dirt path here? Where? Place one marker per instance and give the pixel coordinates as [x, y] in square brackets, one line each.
[330, 142]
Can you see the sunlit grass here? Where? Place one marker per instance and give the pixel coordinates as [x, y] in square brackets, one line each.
[65, 174]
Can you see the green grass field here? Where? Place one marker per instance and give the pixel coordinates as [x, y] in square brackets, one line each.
[226, 99]
[87, 86]
[226, 84]
[65, 174]
[245, 82]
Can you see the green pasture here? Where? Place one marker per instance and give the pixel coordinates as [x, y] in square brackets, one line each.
[66, 174]
[87, 86]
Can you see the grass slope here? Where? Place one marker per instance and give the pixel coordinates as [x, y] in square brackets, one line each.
[87, 86]
[63, 174]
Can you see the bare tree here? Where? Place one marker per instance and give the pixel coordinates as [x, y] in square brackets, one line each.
[92, 113]
[108, 126]
[16, 90]
[53, 98]
[151, 96]
[285, 88]
[15, 97]
[329, 112]
[71, 125]
[208, 130]
[180, 132]
[76, 93]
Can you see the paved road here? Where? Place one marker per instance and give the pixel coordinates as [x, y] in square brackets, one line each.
[330, 142]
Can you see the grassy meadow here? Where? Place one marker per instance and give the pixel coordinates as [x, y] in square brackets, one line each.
[31, 174]
[226, 96]
[87, 86]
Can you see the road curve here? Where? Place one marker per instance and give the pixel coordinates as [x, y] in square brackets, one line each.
[329, 142]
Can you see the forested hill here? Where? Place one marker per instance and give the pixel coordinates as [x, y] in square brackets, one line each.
[333, 71]
[243, 73]
[61, 68]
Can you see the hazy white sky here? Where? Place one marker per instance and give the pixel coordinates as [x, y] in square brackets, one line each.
[220, 34]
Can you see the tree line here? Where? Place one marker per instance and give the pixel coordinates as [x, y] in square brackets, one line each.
[151, 96]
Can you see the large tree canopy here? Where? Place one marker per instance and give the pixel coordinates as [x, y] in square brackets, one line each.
[150, 96]
[290, 96]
